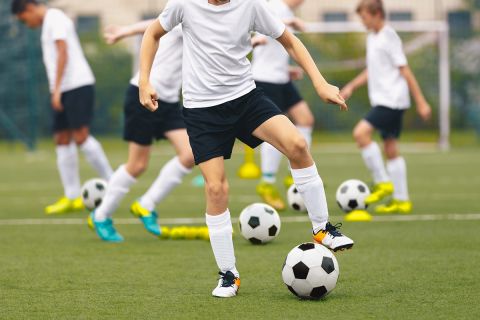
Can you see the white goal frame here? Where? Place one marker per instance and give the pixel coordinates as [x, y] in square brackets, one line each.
[441, 29]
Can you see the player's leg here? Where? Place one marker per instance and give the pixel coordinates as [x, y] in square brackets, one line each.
[372, 156]
[280, 132]
[220, 226]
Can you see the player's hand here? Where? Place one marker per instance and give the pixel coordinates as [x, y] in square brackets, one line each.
[331, 94]
[113, 34]
[258, 41]
[296, 73]
[57, 101]
[148, 97]
[424, 110]
[346, 92]
[296, 24]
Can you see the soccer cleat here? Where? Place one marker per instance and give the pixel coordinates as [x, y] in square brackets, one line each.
[105, 230]
[148, 218]
[358, 216]
[288, 181]
[65, 205]
[395, 206]
[380, 191]
[331, 238]
[228, 285]
[270, 195]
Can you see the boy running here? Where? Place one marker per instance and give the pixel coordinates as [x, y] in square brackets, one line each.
[389, 80]
[141, 128]
[72, 97]
[222, 104]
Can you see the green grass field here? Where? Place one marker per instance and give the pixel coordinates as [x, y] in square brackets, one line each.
[423, 268]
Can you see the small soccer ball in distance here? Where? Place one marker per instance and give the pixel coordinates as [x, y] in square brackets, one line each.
[310, 271]
[351, 195]
[295, 200]
[259, 223]
[93, 192]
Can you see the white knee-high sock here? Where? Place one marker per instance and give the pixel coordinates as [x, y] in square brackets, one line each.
[169, 177]
[372, 157]
[117, 188]
[220, 230]
[93, 151]
[397, 169]
[67, 163]
[310, 186]
[307, 134]
[271, 158]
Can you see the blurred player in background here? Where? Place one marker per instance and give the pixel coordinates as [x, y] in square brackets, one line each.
[141, 128]
[273, 73]
[389, 80]
[72, 97]
[222, 103]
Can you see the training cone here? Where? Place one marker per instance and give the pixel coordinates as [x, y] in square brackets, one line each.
[358, 216]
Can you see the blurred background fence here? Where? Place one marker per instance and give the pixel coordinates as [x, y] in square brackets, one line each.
[24, 101]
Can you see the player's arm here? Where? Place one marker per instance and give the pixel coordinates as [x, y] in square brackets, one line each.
[353, 85]
[113, 34]
[62, 58]
[302, 57]
[296, 23]
[423, 108]
[151, 38]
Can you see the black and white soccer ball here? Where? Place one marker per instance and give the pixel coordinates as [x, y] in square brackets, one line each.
[351, 195]
[310, 271]
[93, 192]
[295, 200]
[259, 223]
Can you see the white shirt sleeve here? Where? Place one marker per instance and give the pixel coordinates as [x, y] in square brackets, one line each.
[266, 22]
[394, 49]
[59, 27]
[172, 15]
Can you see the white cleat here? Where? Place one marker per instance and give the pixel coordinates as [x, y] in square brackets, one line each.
[228, 285]
[331, 238]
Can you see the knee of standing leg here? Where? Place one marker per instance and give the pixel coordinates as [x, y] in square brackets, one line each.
[217, 189]
[357, 134]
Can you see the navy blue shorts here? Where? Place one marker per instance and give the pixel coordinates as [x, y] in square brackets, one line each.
[213, 130]
[386, 120]
[77, 109]
[285, 96]
[143, 126]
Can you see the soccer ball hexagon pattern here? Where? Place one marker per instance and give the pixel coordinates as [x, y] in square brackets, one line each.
[351, 195]
[310, 271]
[93, 192]
[259, 223]
[295, 200]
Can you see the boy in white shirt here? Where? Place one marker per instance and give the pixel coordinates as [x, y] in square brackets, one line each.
[222, 104]
[389, 79]
[273, 74]
[72, 91]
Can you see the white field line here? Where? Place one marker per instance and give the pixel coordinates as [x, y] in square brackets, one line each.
[193, 221]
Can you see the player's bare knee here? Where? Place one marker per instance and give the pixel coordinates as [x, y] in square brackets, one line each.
[80, 136]
[137, 168]
[297, 148]
[186, 159]
[62, 138]
[217, 189]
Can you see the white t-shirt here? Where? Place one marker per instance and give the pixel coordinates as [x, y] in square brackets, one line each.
[216, 43]
[166, 74]
[271, 61]
[386, 86]
[57, 26]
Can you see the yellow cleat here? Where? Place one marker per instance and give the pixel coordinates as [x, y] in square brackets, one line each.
[358, 216]
[288, 181]
[395, 206]
[270, 195]
[138, 211]
[380, 191]
[65, 205]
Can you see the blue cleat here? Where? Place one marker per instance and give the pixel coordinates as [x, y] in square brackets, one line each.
[148, 218]
[105, 229]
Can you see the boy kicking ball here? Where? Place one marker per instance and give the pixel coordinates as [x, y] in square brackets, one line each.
[389, 79]
[72, 97]
[222, 104]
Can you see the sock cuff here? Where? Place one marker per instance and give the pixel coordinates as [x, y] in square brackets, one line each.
[373, 146]
[218, 221]
[88, 143]
[126, 175]
[305, 175]
[397, 160]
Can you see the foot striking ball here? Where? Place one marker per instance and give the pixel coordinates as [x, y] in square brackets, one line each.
[310, 271]
[295, 200]
[93, 192]
[259, 223]
[351, 195]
